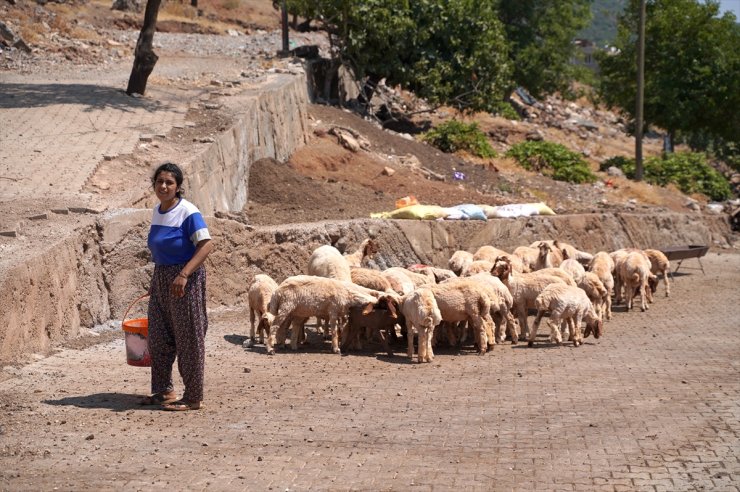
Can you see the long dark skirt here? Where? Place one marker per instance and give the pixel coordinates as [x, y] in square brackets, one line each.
[177, 328]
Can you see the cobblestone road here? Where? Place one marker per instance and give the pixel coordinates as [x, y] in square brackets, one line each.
[654, 405]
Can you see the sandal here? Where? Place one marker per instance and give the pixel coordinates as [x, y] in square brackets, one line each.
[182, 405]
[159, 399]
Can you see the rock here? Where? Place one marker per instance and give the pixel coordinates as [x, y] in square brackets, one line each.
[715, 208]
[126, 5]
[535, 136]
[615, 171]
[348, 142]
[387, 171]
[692, 205]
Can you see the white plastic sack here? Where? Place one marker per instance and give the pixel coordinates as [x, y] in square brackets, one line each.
[518, 210]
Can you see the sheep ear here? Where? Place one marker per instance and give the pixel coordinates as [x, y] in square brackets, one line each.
[368, 309]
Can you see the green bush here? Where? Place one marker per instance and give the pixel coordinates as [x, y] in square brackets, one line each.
[552, 159]
[454, 135]
[506, 110]
[689, 171]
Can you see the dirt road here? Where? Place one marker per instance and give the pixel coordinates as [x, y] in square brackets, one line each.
[654, 405]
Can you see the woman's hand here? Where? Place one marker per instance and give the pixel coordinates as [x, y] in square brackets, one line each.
[178, 286]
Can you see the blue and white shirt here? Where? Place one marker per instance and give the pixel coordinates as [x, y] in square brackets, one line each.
[175, 233]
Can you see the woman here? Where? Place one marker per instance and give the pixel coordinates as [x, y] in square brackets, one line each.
[179, 242]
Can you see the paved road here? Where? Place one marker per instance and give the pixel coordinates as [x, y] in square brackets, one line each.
[655, 405]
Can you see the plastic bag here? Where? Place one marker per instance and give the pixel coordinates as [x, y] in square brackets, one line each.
[518, 210]
[466, 211]
[418, 212]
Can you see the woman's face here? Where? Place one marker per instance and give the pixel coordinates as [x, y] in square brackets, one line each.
[165, 186]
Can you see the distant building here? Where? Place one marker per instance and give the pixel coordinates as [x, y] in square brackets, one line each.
[585, 54]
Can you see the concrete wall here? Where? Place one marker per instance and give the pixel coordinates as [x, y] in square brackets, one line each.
[269, 122]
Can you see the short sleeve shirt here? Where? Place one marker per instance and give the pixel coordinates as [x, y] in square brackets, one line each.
[175, 233]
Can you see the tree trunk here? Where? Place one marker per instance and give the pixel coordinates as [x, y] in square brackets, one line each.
[368, 89]
[144, 56]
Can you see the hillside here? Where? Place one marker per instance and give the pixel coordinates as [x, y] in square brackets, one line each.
[327, 180]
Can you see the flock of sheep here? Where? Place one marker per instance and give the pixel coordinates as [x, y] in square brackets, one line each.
[486, 295]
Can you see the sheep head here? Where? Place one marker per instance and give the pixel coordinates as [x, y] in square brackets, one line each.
[501, 268]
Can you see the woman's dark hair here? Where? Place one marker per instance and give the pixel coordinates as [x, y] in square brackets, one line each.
[173, 168]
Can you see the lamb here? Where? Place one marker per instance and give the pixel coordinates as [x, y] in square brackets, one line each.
[327, 261]
[479, 266]
[618, 257]
[381, 320]
[602, 266]
[438, 274]
[658, 264]
[569, 304]
[488, 253]
[399, 281]
[502, 304]
[367, 249]
[459, 260]
[528, 256]
[634, 273]
[574, 269]
[259, 295]
[422, 314]
[549, 256]
[372, 279]
[596, 292]
[524, 288]
[568, 250]
[303, 296]
[464, 300]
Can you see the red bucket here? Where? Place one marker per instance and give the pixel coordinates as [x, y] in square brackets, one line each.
[136, 332]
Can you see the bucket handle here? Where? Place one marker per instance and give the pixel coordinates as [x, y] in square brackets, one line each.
[132, 305]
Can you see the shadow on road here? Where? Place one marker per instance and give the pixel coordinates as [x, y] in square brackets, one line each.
[118, 402]
[91, 96]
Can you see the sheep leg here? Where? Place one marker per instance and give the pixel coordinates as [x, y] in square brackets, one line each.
[276, 331]
[643, 296]
[555, 322]
[479, 327]
[296, 327]
[575, 322]
[665, 279]
[522, 316]
[384, 336]
[250, 341]
[512, 327]
[609, 305]
[490, 339]
[422, 345]
[335, 330]
[429, 335]
[533, 332]
[410, 339]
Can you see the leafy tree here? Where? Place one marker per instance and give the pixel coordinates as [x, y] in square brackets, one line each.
[450, 52]
[540, 33]
[692, 68]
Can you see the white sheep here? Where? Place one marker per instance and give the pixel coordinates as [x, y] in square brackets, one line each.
[602, 266]
[327, 261]
[525, 288]
[303, 296]
[367, 249]
[478, 266]
[400, 282]
[463, 300]
[658, 264]
[568, 304]
[596, 292]
[568, 250]
[633, 273]
[550, 256]
[422, 315]
[502, 305]
[488, 253]
[372, 279]
[259, 295]
[574, 269]
[528, 256]
[459, 260]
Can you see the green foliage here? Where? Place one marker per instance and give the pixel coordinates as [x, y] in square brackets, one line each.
[552, 159]
[602, 29]
[689, 171]
[692, 68]
[506, 110]
[541, 34]
[454, 135]
[451, 52]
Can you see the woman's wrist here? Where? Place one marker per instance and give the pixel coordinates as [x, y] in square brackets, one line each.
[181, 274]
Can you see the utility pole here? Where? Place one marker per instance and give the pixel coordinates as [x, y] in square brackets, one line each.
[640, 92]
